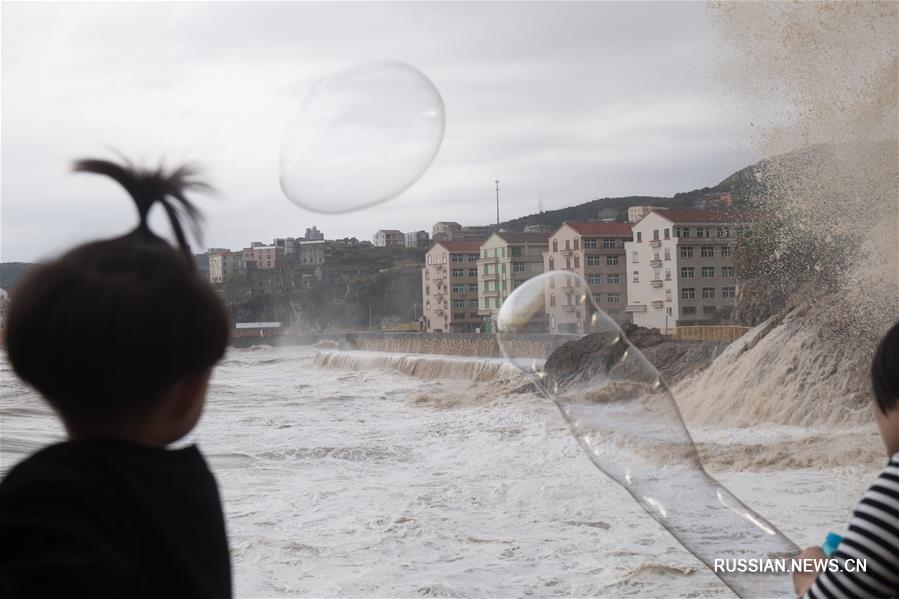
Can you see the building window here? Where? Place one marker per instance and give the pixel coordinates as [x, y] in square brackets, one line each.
[567, 262]
[458, 288]
[594, 260]
[709, 309]
[727, 272]
[686, 272]
[639, 236]
[589, 244]
[685, 232]
[708, 272]
[429, 258]
[667, 233]
[577, 243]
[613, 279]
[655, 234]
[611, 260]
[686, 251]
[636, 278]
[552, 299]
[728, 292]
[688, 310]
[552, 263]
[472, 288]
[707, 251]
[458, 272]
[677, 231]
[635, 256]
[555, 245]
[472, 257]
[567, 244]
[667, 274]
[458, 303]
[667, 295]
[472, 272]
[608, 244]
[708, 293]
[667, 253]
[577, 262]
[725, 251]
[614, 298]
[614, 312]
[688, 293]
[473, 303]
[594, 280]
[456, 258]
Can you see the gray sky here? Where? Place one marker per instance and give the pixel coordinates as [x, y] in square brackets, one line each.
[564, 102]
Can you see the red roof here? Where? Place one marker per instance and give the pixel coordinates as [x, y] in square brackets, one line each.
[518, 237]
[610, 229]
[689, 215]
[461, 246]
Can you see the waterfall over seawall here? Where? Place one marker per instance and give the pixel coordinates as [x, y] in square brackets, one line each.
[423, 366]
[788, 370]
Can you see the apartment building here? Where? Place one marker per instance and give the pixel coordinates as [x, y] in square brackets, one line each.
[313, 234]
[507, 260]
[389, 238]
[680, 268]
[636, 213]
[312, 252]
[446, 231]
[595, 251]
[262, 256]
[449, 283]
[476, 233]
[418, 239]
[226, 266]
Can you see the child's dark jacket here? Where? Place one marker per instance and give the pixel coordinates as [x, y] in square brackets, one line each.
[112, 519]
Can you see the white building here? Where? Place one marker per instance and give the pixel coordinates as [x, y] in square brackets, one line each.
[418, 239]
[389, 238]
[680, 269]
[635, 213]
[507, 260]
[312, 252]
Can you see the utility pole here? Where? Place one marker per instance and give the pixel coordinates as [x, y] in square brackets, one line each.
[497, 204]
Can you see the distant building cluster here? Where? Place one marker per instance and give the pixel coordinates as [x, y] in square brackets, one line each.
[663, 268]
[226, 266]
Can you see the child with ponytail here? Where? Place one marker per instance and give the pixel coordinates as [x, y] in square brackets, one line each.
[119, 336]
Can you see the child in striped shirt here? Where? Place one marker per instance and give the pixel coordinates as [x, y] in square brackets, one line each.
[873, 534]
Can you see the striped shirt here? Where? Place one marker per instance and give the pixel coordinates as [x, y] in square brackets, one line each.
[873, 536]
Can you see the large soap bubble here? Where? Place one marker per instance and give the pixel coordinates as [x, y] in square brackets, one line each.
[362, 137]
[625, 418]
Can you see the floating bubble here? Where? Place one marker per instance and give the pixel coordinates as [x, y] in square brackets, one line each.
[626, 420]
[362, 137]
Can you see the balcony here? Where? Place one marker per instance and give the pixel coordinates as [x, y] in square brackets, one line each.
[568, 308]
[635, 308]
[658, 304]
[657, 283]
[655, 243]
[656, 263]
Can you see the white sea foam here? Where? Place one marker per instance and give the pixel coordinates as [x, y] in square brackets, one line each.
[338, 482]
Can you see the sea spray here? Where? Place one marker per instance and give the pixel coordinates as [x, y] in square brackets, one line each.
[818, 81]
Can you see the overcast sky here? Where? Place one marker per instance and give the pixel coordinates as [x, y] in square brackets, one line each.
[564, 102]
